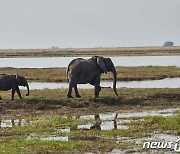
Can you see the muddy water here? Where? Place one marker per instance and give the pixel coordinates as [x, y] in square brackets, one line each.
[47, 62]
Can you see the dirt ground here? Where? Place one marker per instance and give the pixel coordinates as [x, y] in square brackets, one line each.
[23, 108]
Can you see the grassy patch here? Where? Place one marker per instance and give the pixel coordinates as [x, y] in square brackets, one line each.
[123, 73]
[21, 145]
[88, 140]
[55, 100]
[159, 124]
[43, 125]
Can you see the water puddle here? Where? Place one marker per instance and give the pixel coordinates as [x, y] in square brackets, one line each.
[107, 116]
[111, 121]
[35, 136]
[107, 125]
[117, 151]
[17, 122]
[87, 117]
[157, 141]
[6, 124]
[64, 130]
[87, 126]
[154, 137]
[163, 137]
[105, 121]
[164, 112]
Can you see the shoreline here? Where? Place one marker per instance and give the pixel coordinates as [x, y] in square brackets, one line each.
[75, 52]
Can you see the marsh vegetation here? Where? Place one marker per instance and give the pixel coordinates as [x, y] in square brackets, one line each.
[47, 122]
[123, 73]
[52, 120]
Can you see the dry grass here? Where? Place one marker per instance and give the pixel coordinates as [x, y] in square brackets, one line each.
[123, 73]
[91, 52]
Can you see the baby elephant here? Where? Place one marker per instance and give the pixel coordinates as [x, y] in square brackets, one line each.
[13, 82]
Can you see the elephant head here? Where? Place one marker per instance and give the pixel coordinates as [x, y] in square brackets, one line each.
[23, 82]
[106, 65]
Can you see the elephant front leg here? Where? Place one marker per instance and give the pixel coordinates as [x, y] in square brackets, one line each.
[76, 92]
[19, 93]
[96, 91]
[12, 94]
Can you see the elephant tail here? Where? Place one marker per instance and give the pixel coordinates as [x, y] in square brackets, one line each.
[67, 73]
[71, 63]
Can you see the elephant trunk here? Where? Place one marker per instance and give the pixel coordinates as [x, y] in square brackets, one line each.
[27, 90]
[114, 80]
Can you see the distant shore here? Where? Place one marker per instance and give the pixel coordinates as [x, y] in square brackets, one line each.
[75, 52]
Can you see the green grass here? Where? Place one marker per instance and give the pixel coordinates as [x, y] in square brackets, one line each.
[161, 124]
[13, 145]
[43, 125]
[86, 140]
[47, 108]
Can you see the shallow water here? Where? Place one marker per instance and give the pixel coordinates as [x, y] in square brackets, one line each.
[47, 62]
[107, 125]
[155, 136]
[35, 136]
[110, 121]
[107, 116]
[9, 123]
[105, 121]
[164, 112]
[64, 130]
[87, 126]
[164, 83]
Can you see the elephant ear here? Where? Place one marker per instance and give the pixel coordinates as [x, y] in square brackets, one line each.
[18, 78]
[102, 66]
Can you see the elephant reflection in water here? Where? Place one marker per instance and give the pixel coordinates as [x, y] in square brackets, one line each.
[82, 71]
[13, 82]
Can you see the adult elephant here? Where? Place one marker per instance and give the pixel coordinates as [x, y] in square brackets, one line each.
[82, 71]
[13, 82]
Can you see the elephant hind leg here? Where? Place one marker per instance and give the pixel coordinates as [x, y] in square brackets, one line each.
[68, 95]
[76, 92]
[97, 90]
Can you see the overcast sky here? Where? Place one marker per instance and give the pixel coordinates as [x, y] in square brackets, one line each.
[88, 23]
